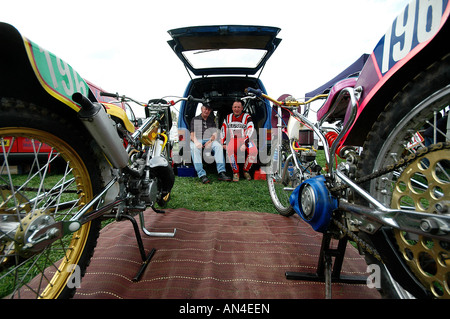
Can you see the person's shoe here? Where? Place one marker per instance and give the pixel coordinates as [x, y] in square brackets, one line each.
[235, 177]
[224, 177]
[247, 176]
[204, 179]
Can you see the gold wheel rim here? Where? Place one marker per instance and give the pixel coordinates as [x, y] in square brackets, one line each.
[421, 186]
[72, 255]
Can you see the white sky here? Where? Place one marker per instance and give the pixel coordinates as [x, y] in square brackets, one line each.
[122, 47]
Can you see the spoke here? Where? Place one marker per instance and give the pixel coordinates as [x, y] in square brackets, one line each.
[8, 171]
[63, 182]
[17, 192]
[55, 182]
[41, 185]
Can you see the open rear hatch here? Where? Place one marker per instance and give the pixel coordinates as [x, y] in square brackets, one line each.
[224, 49]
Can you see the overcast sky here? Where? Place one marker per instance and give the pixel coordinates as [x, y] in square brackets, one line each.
[122, 45]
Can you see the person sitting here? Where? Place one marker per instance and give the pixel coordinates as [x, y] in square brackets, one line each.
[237, 132]
[204, 136]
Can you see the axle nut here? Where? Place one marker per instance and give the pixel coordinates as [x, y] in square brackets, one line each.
[429, 225]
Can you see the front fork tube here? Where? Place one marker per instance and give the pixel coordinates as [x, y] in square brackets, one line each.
[330, 150]
[279, 169]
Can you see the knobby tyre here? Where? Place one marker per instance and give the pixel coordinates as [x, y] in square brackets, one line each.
[57, 175]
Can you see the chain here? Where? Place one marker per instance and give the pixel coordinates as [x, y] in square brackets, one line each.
[361, 243]
[401, 163]
[390, 168]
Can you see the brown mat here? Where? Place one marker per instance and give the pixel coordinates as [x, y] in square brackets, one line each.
[215, 255]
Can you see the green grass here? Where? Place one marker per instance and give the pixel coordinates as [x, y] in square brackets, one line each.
[190, 193]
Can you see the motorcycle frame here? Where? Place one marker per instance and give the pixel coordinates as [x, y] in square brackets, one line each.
[22, 78]
[406, 220]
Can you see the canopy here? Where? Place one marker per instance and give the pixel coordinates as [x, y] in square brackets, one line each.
[352, 70]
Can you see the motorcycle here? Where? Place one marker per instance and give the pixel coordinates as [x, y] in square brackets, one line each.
[85, 161]
[389, 192]
[70, 159]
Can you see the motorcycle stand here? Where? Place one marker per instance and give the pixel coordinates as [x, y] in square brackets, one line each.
[325, 272]
[145, 258]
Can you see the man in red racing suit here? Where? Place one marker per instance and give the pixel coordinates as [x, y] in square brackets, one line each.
[237, 130]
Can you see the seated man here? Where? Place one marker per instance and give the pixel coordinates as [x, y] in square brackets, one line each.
[237, 132]
[204, 136]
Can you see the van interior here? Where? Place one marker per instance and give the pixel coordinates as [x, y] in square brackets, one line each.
[221, 92]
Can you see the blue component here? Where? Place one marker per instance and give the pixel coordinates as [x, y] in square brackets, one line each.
[312, 201]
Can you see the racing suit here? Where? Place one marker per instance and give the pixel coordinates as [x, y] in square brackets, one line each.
[237, 131]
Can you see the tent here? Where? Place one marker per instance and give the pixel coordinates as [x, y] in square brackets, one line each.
[352, 70]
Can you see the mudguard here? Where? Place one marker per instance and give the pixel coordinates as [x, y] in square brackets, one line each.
[30, 73]
[417, 38]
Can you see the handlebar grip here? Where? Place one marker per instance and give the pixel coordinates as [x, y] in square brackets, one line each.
[193, 99]
[83, 101]
[257, 92]
[109, 94]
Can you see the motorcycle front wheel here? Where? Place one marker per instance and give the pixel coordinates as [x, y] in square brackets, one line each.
[282, 180]
[48, 171]
[416, 118]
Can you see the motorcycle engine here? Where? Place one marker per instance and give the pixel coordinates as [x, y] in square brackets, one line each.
[151, 183]
[142, 186]
[313, 202]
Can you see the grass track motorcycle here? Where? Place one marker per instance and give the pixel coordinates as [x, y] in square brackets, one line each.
[391, 192]
[72, 137]
[69, 157]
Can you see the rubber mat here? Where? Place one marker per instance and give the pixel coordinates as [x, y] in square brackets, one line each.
[215, 255]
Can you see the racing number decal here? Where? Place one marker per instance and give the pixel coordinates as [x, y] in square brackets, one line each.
[65, 71]
[418, 23]
[56, 75]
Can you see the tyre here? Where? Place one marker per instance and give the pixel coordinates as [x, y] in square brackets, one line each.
[51, 174]
[282, 180]
[424, 185]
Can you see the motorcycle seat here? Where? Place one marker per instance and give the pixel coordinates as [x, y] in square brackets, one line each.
[339, 111]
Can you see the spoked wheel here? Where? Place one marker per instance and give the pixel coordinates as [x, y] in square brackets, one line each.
[417, 118]
[44, 178]
[282, 180]
[425, 186]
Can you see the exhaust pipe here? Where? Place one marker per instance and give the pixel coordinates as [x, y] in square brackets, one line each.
[103, 130]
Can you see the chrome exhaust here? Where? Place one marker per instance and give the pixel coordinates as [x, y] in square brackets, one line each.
[103, 130]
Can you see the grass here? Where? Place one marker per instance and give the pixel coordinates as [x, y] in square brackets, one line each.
[190, 193]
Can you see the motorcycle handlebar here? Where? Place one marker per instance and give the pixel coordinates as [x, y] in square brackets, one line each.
[253, 91]
[190, 98]
[109, 94]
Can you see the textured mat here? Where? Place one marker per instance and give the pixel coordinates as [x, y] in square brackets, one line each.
[215, 255]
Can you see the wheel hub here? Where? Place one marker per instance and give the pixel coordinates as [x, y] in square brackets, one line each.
[30, 225]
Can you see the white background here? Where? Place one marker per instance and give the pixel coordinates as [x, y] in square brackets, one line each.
[122, 47]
